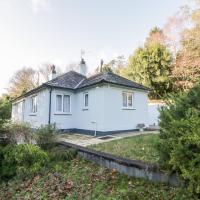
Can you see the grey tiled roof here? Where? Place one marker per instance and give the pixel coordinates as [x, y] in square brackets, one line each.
[74, 80]
[109, 77]
[69, 80]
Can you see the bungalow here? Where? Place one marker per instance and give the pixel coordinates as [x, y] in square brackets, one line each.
[101, 104]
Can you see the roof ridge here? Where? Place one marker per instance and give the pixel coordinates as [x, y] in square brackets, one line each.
[79, 83]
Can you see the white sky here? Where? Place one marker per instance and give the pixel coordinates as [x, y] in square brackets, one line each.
[33, 32]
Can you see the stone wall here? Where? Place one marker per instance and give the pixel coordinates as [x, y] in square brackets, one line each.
[133, 168]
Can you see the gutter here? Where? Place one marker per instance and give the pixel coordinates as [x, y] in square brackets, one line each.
[50, 92]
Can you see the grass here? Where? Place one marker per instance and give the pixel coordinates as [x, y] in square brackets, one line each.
[140, 147]
[80, 180]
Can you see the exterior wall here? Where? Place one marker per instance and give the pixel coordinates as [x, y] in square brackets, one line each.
[93, 117]
[17, 111]
[117, 118]
[63, 121]
[104, 113]
[153, 113]
[24, 114]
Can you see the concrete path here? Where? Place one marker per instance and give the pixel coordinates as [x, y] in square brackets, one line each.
[86, 140]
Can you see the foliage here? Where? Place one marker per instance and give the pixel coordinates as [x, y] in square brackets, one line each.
[151, 66]
[186, 70]
[17, 132]
[61, 154]
[179, 144]
[22, 81]
[141, 147]
[22, 160]
[5, 110]
[156, 36]
[115, 65]
[79, 179]
[46, 136]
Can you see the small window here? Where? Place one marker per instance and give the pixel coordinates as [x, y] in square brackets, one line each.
[59, 103]
[63, 103]
[66, 103]
[127, 100]
[86, 100]
[34, 104]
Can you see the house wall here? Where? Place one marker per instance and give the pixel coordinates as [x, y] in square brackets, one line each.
[105, 112]
[153, 112]
[117, 118]
[17, 111]
[63, 121]
[24, 109]
[93, 117]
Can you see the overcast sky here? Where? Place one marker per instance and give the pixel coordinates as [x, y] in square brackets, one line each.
[33, 32]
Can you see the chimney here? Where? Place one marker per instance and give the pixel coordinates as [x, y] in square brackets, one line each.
[53, 73]
[83, 67]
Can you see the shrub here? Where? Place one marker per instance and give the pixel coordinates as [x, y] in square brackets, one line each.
[179, 144]
[46, 136]
[5, 110]
[18, 132]
[61, 154]
[22, 160]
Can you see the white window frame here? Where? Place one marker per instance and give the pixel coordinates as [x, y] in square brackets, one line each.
[127, 107]
[62, 104]
[84, 106]
[33, 108]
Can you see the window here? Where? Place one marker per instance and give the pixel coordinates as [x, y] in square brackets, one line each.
[127, 100]
[34, 104]
[63, 103]
[86, 100]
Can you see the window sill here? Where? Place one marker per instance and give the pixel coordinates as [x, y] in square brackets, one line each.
[62, 113]
[128, 109]
[32, 114]
[85, 109]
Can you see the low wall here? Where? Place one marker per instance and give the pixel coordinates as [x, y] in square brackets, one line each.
[129, 167]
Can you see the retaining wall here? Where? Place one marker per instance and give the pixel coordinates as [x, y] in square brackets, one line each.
[134, 168]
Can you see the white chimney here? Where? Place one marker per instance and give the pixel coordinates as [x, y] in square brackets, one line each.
[53, 73]
[83, 67]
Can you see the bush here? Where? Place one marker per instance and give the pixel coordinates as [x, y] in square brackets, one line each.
[18, 132]
[179, 145]
[5, 110]
[61, 154]
[22, 160]
[46, 136]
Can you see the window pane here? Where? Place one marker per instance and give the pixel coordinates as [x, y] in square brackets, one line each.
[124, 95]
[34, 104]
[130, 100]
[86, 100]
[66, 103]
[59, 103]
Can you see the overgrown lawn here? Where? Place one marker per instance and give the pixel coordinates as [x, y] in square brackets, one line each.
[78, 179]
[140, 147]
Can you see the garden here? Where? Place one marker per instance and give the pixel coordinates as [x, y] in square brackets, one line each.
[33, 166]
[39, 169]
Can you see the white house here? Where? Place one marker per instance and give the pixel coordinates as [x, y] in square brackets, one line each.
[105, 103]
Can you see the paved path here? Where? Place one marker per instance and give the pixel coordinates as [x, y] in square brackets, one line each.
[85, 140]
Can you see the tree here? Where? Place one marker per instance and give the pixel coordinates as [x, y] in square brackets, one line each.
[156, 36]
[151, 66]
[46, 70]
[187, 65]
[5, 109]
[22, 81]
[179, 144]
[115, 65]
